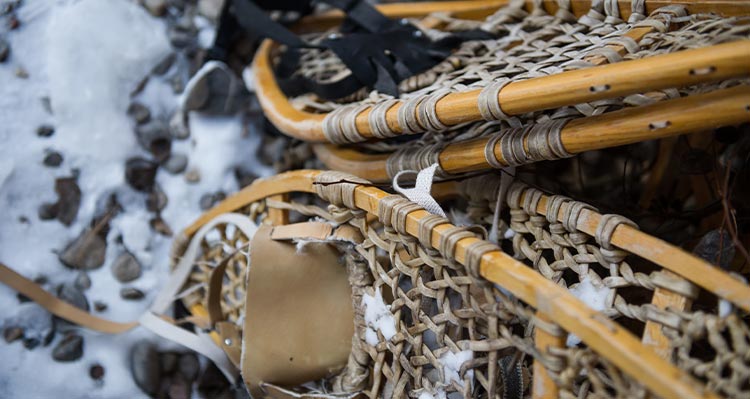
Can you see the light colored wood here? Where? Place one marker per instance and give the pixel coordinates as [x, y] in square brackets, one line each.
[693, 114]
[677, 69]
[652, 333]
[278, 217]
[603, 335]
[543, 387]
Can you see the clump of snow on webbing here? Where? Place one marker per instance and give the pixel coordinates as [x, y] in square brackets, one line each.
[439, 393]
[378, 317]
[452, 363]
[592, 295]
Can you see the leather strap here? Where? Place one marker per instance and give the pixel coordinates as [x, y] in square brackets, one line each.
[316, 231]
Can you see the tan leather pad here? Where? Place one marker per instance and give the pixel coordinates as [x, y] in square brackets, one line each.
[299, 320]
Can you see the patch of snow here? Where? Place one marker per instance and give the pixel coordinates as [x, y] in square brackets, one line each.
[378, 317]
[452, 363]
[439, 393]
[593, 296]
[725, 308]
[509, 233]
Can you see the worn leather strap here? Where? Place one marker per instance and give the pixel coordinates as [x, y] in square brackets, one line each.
[316, 231]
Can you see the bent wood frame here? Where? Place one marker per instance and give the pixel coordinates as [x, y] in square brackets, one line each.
[555, 303]
[677, 69]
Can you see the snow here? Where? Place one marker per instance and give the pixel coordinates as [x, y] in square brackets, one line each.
[87, 56]
[378, 317]
[438, 394]
[452, 363]
[594, 296]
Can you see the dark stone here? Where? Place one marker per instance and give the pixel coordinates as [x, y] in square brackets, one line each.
[178, 126]
[31, 343]
[131, 294]
[69, 199]
[212, 382]
[180, 38]
[126, 268]
[193, 176]
[69, 349]
[217, 91]
[140, 173]
[157, 8]
[47, 211]
[12, 334]
[139, 112]
[144, 365]
[4, 49]
[176, 163]
[178, 84]
[179, 388]
[45, 131]
[156, 200]
[47, 104]
[96, 372]
[168, 362]
[161, 227]
[53, 159]
[140, 86]
[100, 306]
[206, 201]
[82, 282]
[87, 252]
[22, 73]
[189, 366]
[164, 65]
[244, 178]
[13, 22]
[154, 136]
[716, 247]
[72, 295]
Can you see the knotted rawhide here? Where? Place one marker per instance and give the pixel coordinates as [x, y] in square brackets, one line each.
[340, 126]
[392, 211]
[416, 159]
[554, 204]
[474, 253]
[338, 187]
[378, 121]
[449, 238]
[489, 105]
[606, 227]
[426, 113]
[407, 115]
[426, 225]
[527, 144]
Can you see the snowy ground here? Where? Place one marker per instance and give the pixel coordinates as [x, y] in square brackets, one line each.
[87, 56]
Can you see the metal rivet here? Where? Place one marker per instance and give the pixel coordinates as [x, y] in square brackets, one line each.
[228, 342]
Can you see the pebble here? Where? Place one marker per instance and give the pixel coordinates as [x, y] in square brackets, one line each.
[131, 294]
[178, 126]
[83, 281]
[180, 38]
[87, 252]
[189, 366]
[13, 22]
[96, 372]
[140, 86]
[4, 49]
[717, 248]
[69, 349]
[100, 306]
[206, 201]
[244, 178]
[12, 334]
[164, 65]
[157, 8]
[47, 104]
[156, 200]
[53, 159]
[154, 136]
[177, 83]
[72, 295]
[161, 227]
[140, 173]
[47, 211]
[217, 91]
[69, 199]
[22, 73]
[139, 112]
[45, 131]
[179, 388]
[144, 365]
[176, 163]
[193, 176]
[126, 268]
[35, 322]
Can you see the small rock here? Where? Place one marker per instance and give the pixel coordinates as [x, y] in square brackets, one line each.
[189, 366]
[177, 83]
[83, 281]
[140, 173]
[131, 294]
[87, 252]
[47, 211]
[163, 67]
[179, 388]
[126, 268]
[72, 295]
[12, 334]
[161, 227]
[716, 247]
[178, 126]
[36, 323]
[206, 201]
[69, 199]
[157, 8]
[31, 343]
[100, 306]
[180, 38]
[96, 372]
[144, 365]
[244, 178]
[13, 22]
[156, 200]
[22, 73]
[139, 112]
[47, 104]
[176, 163]
[45, 131]
[53, 159]
[154, 136]
[212, 382]
[4, 49]
[69, 349]
[216, 90]
[140, 86]
[168, 362]
[193, 176]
